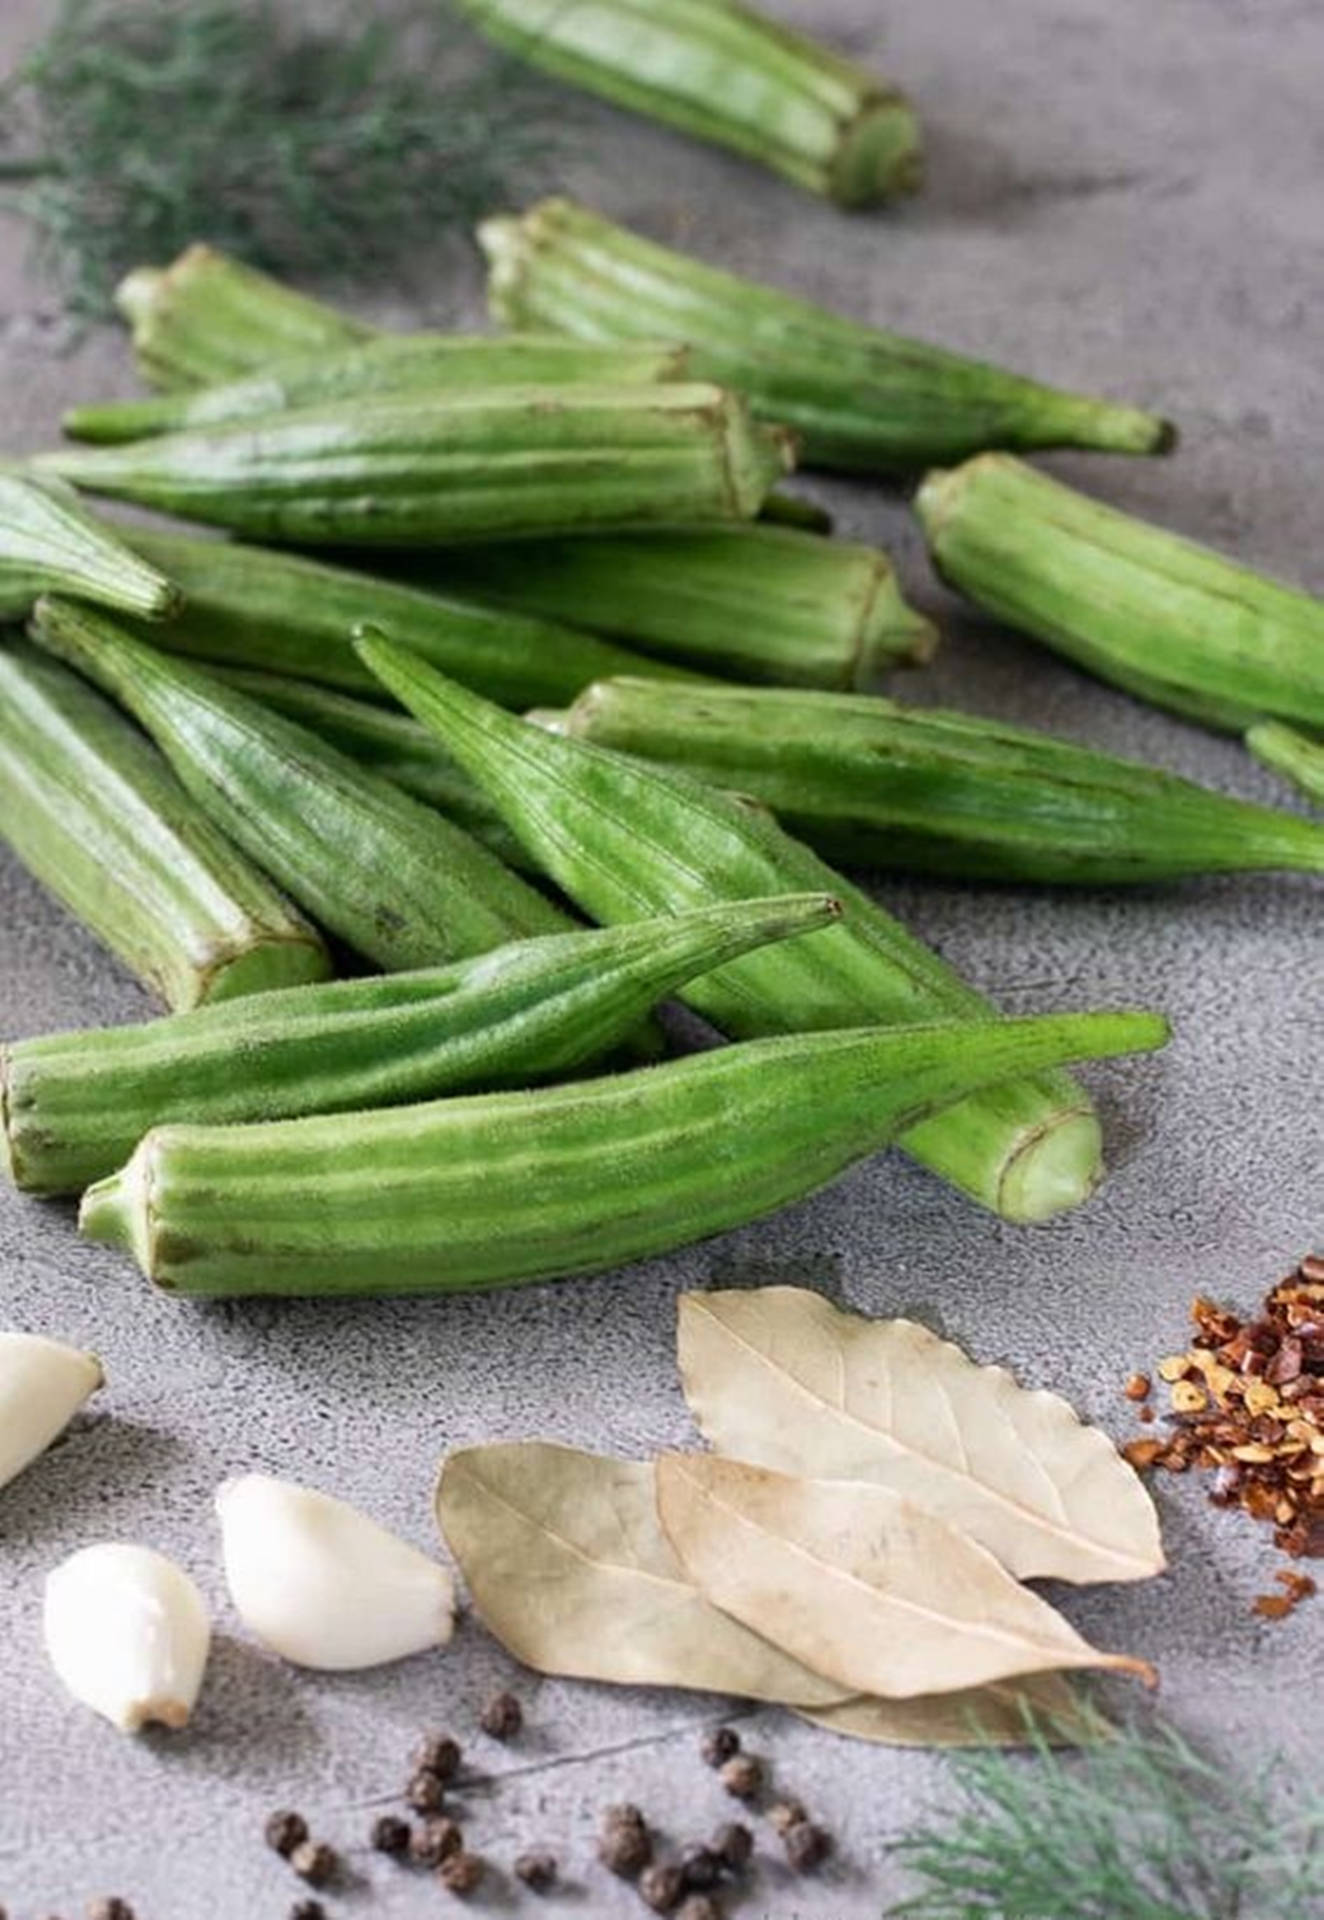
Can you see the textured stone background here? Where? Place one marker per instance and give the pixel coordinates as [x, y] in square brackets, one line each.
[1123, 196]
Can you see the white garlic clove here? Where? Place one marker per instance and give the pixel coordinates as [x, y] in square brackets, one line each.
[323, 1585]
[42, 1386]
[128, 1633]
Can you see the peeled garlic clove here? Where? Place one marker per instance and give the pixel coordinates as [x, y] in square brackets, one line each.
[42, 1386]
[323, 1585]
[128, 1633]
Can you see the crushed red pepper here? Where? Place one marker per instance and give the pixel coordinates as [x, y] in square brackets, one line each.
[1248, 1405]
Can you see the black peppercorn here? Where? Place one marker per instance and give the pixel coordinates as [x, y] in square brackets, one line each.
[314, 1862]
[662, 1888]
[624, 1848]
[733, 1845]
[433, 1842]
[537, 1871]
[390, 1834]
[785, 1814]
[307, 1910]
[701, 1868]
[112, 1908]
[700, 1907]
[284, 1832]
[502, 1717]
[624, 1814]
[438, 1754]
[742, 1776]
[720, 1744]
[461, 1873]
[807, 1846]
[425, 1793]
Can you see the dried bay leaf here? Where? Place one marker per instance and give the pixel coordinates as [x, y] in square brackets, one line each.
[859, 1583]
[1041, 1706]
[782, 1378]
[568, 1568]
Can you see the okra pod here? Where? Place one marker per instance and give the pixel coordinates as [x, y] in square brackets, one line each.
[489, 1189]
[208, 317]
[422, 470]
[1162, 617]
[1298, 758]
[392, 745]
[427, 363]
[925, 791]
[96, 814]
[725, 74]
[391, 877]
[50, 544]
[626, 839]
[760, 603]
[74, 1105]
[860, 399]
[252, 607]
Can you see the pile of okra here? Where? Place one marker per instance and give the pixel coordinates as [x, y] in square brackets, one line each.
[502, 693]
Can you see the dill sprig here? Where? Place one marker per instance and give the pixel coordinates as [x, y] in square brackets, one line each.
[1138, 1828]
[317, 151]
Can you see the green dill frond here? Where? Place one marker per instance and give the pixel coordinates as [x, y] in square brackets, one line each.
[1138, 1828]
[315, 151]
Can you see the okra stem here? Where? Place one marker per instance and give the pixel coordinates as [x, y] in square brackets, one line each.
[488, 1190]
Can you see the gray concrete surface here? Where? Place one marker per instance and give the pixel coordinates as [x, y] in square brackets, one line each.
[1123, 195]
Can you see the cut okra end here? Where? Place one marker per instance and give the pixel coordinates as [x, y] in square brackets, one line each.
[880, 156]
[1054, 1172]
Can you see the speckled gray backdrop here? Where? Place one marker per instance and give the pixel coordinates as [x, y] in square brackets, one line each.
[1125, 195]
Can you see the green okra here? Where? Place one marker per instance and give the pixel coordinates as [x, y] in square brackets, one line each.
[421, 470]
[859, 399]
[207, 317]
[389, 876]
[726, 74]
[626, 839]
[793, 510]
[763, 603]
[252, 607]
[1294, 755]
[96, 814]
[49, 543]
[1162, 617]
[74, 1105]
[392, 745]
[926, 791]
[424, 363]
[489, 1189]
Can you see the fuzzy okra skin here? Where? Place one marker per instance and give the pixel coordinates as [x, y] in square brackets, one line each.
[207, 317]
[1164, 618]
[724, 73]
[281, 613]
[49, 543]
[1294, 755]
[762, 603]
[490, 1189]
[74, 1105]
[927, 791]
[394, 879]
[404, 363]
[391, 744]
[96, 814]
[859, 399]
[426, 469]
[626, 839]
